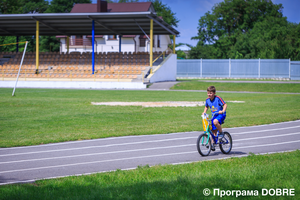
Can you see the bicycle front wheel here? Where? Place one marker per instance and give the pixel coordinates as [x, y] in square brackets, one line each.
[203, 145]
[226, 143]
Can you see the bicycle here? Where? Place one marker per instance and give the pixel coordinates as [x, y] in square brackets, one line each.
[204, 145]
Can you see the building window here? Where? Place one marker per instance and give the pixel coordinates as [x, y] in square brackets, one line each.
[78, 40]
[142, 42]
[158, 41]
[112, 37]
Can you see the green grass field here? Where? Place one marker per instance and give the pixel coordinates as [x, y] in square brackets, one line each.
[170, 182]
[250, 87]
[39, 116]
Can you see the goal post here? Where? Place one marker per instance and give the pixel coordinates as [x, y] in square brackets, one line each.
[26, 42]
[13, 94]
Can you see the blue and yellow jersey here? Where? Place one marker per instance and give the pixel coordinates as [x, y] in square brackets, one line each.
[216, 104]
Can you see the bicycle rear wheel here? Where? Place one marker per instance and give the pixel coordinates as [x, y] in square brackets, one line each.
[203, 145]
[226, 143]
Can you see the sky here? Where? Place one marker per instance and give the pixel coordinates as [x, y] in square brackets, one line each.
[190, 11]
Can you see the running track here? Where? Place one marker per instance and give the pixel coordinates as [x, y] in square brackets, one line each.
[27, 164]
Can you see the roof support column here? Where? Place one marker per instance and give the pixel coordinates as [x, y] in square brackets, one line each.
[93, 47]
[37, 35]
[17, 45]
[120, 41]
[68, 44]
[151, 46]
[174, 36]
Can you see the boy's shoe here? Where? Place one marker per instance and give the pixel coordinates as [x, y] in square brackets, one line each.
[213, 147]
[221, 135]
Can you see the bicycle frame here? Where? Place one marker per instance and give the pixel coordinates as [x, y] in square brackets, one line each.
[207, 141]
[209, 133]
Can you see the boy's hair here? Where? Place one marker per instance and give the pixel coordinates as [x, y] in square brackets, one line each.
[211, 89]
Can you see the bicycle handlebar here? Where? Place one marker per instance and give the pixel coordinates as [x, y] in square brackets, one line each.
[213, 114]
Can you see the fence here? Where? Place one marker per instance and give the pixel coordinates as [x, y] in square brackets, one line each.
[239, 68]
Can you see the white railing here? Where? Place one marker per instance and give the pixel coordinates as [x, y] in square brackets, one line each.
[238, 68]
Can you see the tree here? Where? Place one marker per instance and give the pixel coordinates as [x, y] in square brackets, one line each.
[165, 12]
[20, 7]
[50, 43]
[63, 6]
[180, 54]
[225, 30]
[9, 6]
[33, 6]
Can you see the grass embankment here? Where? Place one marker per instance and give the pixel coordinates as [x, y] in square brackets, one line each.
[254, 172]
[39, 116]
[248, 87]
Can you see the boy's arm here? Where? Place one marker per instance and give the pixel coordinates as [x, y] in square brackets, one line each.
[205, 109]
[224, 109]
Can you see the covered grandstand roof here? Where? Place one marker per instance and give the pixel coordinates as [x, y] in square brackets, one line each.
[106, 23]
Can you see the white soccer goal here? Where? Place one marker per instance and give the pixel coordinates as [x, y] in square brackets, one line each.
[13, 94]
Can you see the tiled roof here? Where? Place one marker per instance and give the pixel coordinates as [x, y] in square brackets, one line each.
[128, 36]
[113, 7]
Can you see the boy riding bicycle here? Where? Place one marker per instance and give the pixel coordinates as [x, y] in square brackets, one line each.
[218, 107]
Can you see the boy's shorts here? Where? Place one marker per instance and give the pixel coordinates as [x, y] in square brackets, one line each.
[220, 118]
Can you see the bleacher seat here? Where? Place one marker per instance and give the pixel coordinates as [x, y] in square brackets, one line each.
[112, 65]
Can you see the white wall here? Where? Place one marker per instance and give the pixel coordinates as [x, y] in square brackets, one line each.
[73, 84]
[167, 71]
[105, 45]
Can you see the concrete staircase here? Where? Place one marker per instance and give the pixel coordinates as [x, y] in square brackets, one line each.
[147, 71]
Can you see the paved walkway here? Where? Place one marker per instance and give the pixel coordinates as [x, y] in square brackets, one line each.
[168, 85]
[27, 164]
[163, 85]
[221, 81]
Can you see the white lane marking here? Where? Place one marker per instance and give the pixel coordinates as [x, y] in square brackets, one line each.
[100, 161]
[264, 145]
[94, 154]
[135, 136]
[137, 157]
[132, 168]
[276, 129]
[132, 158]
[132, 143]
[108, 145]
[232, 156]
[279, 123]
[126, 151]
[282, 135]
